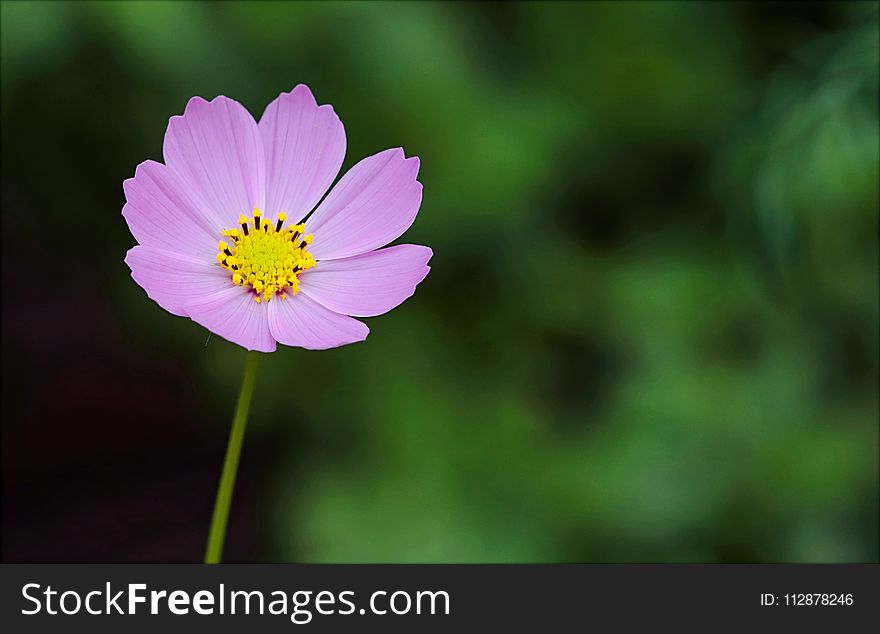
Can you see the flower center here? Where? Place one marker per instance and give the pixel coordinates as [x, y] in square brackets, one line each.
[267, 258]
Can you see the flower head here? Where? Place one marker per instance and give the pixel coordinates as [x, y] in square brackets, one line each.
[225, 234]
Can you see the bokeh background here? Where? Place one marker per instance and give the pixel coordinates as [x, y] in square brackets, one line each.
[650, 332]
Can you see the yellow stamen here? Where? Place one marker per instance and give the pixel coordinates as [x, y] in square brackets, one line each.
[268, 259]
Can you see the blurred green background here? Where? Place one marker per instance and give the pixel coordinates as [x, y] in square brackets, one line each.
[650, 332]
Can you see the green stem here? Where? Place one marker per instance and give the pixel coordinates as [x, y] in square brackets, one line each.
[230, 465]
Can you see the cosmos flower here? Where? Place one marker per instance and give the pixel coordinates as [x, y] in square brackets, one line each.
[225, 235]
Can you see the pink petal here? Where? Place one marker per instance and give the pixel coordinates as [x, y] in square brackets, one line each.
[159, 213]
[369, 284]
[300, 321]
[173, 279]
[233, 314]
[305, 145]
[374, 203]
[216, 150]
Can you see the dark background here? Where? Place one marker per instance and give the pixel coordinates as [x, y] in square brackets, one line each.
[650, 332]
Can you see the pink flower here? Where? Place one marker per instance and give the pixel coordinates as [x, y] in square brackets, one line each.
[219, 231]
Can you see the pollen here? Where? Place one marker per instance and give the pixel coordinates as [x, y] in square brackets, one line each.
[268, 258]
